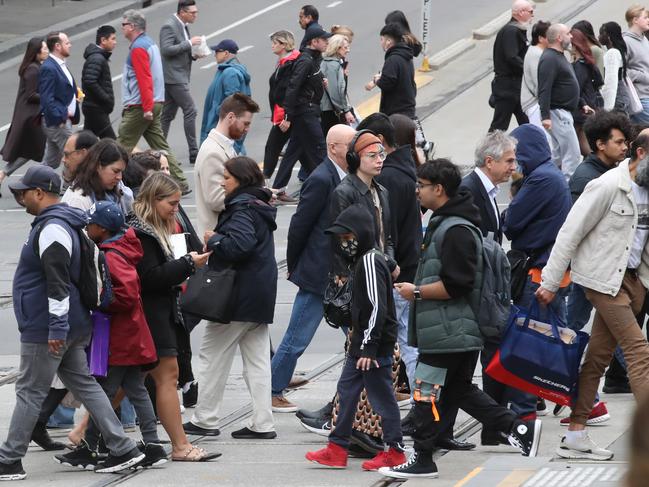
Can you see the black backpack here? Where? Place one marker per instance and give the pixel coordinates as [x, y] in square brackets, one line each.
[94, 284]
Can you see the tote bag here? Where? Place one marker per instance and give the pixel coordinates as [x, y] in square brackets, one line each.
[208, 294]
[99, 344]
[635, 105]
[534, 357]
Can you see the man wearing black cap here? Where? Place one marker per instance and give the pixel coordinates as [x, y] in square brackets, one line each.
[231, 77]
[302, 108]
[54, 325]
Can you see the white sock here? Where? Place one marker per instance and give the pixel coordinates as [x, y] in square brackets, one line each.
[573, 436]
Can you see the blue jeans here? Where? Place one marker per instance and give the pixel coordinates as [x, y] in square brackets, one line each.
[127, 413]
[643, 116]
[579, 308]
[408, 354]
[305, 318]
[62, 417]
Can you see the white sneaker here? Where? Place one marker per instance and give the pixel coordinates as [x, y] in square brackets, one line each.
[583, 448]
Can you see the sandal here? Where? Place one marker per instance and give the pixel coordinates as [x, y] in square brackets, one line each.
[201, 456]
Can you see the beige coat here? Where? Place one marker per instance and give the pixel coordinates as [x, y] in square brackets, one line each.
[210, 196]
[596, 238]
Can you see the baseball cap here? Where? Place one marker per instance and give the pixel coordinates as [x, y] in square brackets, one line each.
[337, 229]
[39, 176]
[226, 45]
[315, 32]
[107, 215]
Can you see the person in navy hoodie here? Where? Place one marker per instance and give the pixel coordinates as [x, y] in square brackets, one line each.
[54, 325]
[58, 92]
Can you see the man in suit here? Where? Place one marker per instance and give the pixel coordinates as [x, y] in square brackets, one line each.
[143, 94]
[58, 92]
[176, 49]
[307, 261]
[495, 162]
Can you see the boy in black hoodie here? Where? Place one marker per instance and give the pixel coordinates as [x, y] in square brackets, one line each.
[369, 354]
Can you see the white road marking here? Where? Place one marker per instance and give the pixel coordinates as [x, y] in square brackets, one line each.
[213, 63]
[115, 78]
[334, 4]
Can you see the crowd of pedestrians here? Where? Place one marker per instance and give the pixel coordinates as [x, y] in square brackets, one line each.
[411, 329]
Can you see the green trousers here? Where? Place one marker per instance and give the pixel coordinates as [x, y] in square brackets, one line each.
[134, 126]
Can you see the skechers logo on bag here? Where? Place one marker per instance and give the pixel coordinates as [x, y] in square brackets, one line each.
[549, 382]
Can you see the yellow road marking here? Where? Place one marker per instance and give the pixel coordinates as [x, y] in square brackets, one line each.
[516, 478]
[371, 105]
[471, 474]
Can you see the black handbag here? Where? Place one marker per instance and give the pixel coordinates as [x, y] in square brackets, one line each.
[208, 294]
[519, 263]
[338, 303]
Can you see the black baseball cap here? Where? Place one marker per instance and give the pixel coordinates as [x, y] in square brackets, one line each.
[316, 32]
[40, 176]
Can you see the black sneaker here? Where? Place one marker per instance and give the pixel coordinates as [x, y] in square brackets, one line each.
[526, 436]
[367, 442]
[418, 466]
[118, 463]
[541, 407]
[81, 457]
[191, 429]
[190, 398]
[12, 471]
[154, 454]
[558, 409]
[323, 413]
[317, 426]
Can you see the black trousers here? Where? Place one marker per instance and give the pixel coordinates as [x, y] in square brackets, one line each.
[274, 144]
[51, 402]
[503, 111]
[98, 122]
[328, 119]
[307, 144]
[459, 391]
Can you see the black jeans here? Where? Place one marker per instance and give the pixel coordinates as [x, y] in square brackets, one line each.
[98, 122]
[328, 119]
[307, 144]
[378, 384]
[503, 111]
[274, 145]
[459, 391]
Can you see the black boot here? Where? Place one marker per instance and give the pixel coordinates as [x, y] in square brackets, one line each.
[42, 438]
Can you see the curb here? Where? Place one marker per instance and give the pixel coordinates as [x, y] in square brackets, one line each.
[491, 28]
[16, 47]
[455, 50]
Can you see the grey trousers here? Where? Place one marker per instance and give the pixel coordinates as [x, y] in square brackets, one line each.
[57, 136]
[37, 369]
[12, 167]
[178, 96]
[131, 379]
[565, 144]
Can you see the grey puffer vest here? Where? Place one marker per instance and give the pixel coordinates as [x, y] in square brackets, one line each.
[445, 326]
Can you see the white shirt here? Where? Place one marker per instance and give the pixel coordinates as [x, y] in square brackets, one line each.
[341, 173]
[72, 107]
[184, 28]
[224, 139]
[491, 188]
[641, 197]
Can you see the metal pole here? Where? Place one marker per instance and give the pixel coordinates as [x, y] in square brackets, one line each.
[426, 17]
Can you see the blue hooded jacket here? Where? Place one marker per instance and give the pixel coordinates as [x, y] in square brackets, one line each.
[46, 301]
[231, 77]
[537, 212]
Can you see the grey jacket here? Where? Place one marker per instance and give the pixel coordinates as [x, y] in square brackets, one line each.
[530, 85]
[638, 62]
[176, 52]
[332, 70]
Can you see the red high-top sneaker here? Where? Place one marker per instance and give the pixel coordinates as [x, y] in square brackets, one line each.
[333, 456]
[390, 458]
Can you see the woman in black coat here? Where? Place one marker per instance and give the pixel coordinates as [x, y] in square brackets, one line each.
[161, 276]
[243, 239]
[25, 139]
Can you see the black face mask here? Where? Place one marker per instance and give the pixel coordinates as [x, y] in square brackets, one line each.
[349, 248]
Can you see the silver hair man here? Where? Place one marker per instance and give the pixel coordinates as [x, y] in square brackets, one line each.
[136, 19]
[493, 145]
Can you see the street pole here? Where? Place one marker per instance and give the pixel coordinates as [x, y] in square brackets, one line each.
[426, 17]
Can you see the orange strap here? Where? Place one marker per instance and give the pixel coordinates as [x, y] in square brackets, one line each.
[535, 274]
[418, 397]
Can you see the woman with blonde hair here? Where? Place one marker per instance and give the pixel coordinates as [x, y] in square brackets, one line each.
[334, 105]
[161, 274]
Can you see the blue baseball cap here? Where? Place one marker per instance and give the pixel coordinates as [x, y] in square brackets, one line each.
[226, 45]
[107, 215]
[39, 176]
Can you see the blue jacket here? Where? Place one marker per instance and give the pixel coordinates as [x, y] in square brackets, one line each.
[46, 300]
[244, 240]
[537, 212]
[231, 77]
[56, 94]
[308, 253]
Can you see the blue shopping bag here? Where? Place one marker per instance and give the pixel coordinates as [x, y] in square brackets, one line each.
[538, 363]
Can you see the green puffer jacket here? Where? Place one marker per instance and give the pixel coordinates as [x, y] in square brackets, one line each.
[444, 326]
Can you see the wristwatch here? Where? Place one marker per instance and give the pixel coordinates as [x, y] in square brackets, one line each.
[417, 293]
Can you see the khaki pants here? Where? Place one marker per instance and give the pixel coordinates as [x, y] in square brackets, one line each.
[216, 355]
[133, 126]
[614, 324]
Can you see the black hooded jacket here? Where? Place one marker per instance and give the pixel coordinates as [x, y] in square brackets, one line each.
[397, 81]
[374, 324]
[96, 81]
[305, 87]
[590, 168]
[398, 176]
[459, 254]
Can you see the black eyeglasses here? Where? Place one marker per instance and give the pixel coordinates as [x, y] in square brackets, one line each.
[126, 23]
[423, 185]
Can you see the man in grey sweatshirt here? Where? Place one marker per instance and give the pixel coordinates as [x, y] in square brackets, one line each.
[637, 45]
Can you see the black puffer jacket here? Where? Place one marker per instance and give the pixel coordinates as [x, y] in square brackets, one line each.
[305, 88]
[96, 81]
[397, 81]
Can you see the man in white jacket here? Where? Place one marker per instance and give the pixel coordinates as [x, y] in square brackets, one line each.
[604, 240]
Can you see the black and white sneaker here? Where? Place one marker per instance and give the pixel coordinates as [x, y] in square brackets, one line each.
[12, 471]
[558, 409]
[317, 426]
[417, 466]
[325, 412]
[541, 407]
[81, 457]
[122, 462]
[526, 436]
[154, 454]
